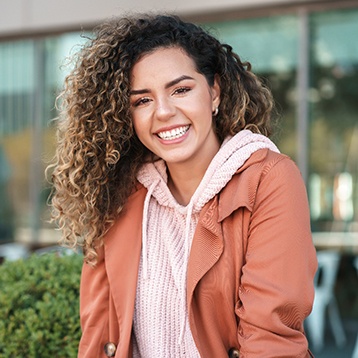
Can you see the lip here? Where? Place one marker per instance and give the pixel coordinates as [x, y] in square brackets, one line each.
[172, 134]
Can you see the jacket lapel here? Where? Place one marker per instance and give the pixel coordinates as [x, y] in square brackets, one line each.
[122, 255]
[207, 246]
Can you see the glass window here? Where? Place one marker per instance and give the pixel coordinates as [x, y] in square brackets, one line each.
[334, 121]
[31, 73]
[16, 94]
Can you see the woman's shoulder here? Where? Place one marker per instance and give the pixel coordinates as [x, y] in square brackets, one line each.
[270, 172]
[264, 168]
[263, 161]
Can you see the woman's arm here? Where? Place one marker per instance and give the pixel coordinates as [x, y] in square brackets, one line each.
[277, 289]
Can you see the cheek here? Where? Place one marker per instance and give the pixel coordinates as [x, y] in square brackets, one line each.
[140, 128]
[136, 123]
[138, 132]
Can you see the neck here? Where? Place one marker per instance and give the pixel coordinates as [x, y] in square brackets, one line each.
[183, 180]
[183, 186]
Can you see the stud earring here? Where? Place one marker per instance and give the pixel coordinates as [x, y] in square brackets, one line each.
[215, 113]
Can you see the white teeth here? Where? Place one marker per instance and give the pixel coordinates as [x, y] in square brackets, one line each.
[174, 133]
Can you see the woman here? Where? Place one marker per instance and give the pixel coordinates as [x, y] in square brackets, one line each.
[195, 229]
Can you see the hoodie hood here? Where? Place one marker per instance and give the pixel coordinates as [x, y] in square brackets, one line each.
[231, 156]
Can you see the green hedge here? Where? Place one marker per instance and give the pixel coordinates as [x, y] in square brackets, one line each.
[39, 306]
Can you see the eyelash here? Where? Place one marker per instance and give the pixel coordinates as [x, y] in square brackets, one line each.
[181, 90]
[141, 101]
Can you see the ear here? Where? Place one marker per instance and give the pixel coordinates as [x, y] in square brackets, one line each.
[215, 92]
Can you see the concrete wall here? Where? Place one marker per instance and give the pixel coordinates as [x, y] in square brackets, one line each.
[26, 17]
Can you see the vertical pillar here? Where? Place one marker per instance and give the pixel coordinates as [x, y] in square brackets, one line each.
[36, 175]
[303, 89]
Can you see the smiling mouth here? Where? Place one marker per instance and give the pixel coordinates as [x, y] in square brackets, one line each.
[174, 133]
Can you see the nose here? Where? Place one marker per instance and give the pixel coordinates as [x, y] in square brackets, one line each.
[164, 109]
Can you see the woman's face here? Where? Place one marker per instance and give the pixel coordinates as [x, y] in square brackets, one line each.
[171, 107]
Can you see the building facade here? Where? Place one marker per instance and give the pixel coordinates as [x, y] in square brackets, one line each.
[306, 52]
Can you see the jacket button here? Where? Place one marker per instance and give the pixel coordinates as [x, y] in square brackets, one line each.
[110, 349]
[234, 353]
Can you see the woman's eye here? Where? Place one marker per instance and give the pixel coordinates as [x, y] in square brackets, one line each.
[141, 101]
[182, 90]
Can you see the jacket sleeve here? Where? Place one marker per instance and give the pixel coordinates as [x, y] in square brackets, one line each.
[94, 310]
[276, 291]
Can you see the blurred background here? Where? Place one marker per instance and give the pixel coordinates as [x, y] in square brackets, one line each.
[306, 52]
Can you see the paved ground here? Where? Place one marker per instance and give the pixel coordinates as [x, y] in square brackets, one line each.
[331, 350]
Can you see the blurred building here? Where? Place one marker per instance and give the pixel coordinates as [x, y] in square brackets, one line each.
[306, 51]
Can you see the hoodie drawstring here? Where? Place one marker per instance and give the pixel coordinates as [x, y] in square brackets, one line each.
[187, 243]
[144, 229]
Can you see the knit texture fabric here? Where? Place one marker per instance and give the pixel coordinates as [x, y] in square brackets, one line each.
[161, 325]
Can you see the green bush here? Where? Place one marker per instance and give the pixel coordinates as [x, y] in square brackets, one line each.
[39, 306]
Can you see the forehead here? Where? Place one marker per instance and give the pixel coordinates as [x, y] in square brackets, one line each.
[160, 61]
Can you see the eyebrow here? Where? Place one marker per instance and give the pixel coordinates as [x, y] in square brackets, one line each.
[168, 85]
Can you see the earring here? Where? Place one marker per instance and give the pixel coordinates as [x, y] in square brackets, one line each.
[215, 113]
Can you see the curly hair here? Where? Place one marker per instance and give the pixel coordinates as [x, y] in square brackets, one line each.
[98, 153]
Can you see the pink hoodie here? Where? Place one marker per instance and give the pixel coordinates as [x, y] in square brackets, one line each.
[161, 324]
